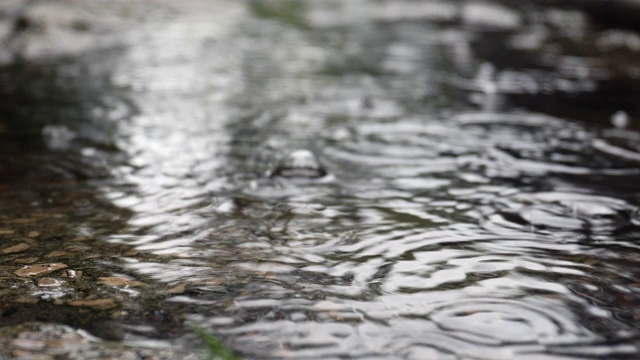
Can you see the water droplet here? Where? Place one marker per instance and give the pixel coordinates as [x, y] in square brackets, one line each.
[57, 137]
[485, 78]
[620, 119]
[299, 164]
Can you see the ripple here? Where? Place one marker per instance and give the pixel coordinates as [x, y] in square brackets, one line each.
[574, 212]
[492, 322]
[425, 221]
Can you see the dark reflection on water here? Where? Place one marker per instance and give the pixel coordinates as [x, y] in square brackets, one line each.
[477, 202]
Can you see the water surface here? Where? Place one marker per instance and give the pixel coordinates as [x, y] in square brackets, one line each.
[479, 198]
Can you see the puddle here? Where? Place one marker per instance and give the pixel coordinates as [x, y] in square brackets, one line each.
[327, 180]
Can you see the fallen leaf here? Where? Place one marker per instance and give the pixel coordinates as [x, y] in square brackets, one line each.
[6, 232]
[39, 269]
[33, 234]
[16, 248]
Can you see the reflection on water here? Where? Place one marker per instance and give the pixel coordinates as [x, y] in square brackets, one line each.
[392, 180]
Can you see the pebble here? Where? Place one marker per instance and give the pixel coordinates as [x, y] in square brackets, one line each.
[178, 289]
[27, 260]
[39, 269]
[57, 253]
[16, 248]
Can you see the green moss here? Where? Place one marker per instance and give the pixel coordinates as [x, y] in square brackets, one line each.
[217, 350]
[290, 12]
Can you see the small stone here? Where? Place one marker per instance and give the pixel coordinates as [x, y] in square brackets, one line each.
[49, 282]
[119, 281]
[33, 234]
[98, 304]
[299, 164]
[76, 248]
[27, 260]
[16, 248]
[57, 253]
[179, 289]
[131, 252]
[39, 269]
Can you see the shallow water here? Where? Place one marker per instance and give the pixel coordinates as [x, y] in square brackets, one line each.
[480, 199]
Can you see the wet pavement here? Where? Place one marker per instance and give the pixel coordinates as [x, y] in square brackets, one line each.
[319, 180]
